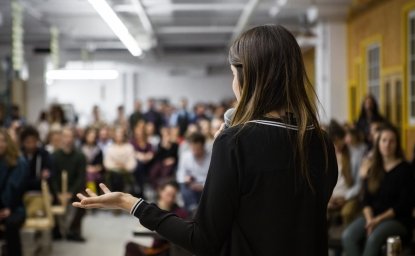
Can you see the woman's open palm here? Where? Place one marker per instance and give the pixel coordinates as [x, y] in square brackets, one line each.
[109, 200]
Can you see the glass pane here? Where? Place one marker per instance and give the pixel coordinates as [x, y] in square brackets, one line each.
[412, 108]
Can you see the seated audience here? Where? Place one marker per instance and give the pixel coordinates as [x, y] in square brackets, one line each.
[104, 138]
[53, 142]
[192, 171]
[369, 113]
[71, 160]
[167, 193]
[94, 160]
[165, 160]
[119, 161]
[13, 176]
[340, 200]
[387, 199]
[36, 157]
[144, 153]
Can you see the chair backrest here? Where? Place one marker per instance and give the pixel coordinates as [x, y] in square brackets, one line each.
[64, 181]
[47, 200]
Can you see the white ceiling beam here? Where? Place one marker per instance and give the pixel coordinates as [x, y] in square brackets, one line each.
[138, 8]
[195, 30]
[246, 15]
[168, 8]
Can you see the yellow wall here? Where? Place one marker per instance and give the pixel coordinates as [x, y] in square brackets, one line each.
[383, 22]
[309, 63]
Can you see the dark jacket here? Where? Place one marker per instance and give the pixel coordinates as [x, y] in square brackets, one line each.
[37, 163]
[75, 164]
[254, 203]
[12, 185]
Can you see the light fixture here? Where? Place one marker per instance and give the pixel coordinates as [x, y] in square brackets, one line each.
[117, 26]
[73, 74]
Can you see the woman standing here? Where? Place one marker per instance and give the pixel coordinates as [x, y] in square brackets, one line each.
[272, 172]
[13, 176]
[387, 198]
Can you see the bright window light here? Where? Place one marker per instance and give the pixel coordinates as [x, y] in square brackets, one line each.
[81, 74]
[117, 26]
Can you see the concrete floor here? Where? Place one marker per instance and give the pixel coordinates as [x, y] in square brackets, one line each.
[106, 235]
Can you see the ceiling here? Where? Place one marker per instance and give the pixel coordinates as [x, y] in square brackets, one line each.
[165, 25]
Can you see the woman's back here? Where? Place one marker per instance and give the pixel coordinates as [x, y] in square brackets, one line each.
[278, 213]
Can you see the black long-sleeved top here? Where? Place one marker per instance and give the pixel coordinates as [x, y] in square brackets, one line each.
[38, 162]
[254, 203]
[395, 192]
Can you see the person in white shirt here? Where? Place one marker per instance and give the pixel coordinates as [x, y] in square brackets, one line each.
[192, 171]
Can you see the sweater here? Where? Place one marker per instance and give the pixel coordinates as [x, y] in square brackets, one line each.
[254, 202]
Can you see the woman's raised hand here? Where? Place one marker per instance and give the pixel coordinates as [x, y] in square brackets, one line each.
[109, 200]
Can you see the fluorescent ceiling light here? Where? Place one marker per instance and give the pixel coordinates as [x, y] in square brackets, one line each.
[67, 74]
[117, 26]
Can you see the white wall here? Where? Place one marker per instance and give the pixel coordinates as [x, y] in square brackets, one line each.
[331, 70]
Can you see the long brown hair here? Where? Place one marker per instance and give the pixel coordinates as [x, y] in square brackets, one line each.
[376, 171]
[11, 155]
[272, 77]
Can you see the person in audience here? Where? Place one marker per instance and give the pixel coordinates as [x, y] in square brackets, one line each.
[104, 138]
[13, 177]
[94, 160]
[166, 200]
[205, 127]
[165, 160]
[73, 161]
[54, 140]
[181, 118]
[15, 116]
[121, 120]
[119, 161]
[339, 200]
[57, 117]
[153, 115]
[387, 201]
[375, 128]
[199, 113]
[37, 158]
[96, 120]
[358, 151]
[136, 116]
[43, 126]
[144, 154]
[368, 114]
[192, 171]
[152, 137]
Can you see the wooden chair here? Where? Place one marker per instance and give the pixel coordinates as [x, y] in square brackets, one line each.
[60, 210]
[37, 231]
[46, 222]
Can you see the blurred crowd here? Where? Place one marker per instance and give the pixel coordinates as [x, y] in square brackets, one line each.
[153, 154]
[165, 151]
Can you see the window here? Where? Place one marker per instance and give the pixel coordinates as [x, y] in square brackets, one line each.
[373, 70]
[411, 66]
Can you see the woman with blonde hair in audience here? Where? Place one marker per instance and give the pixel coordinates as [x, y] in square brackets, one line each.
[13, 177]
[387, 202]
[119, 160]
